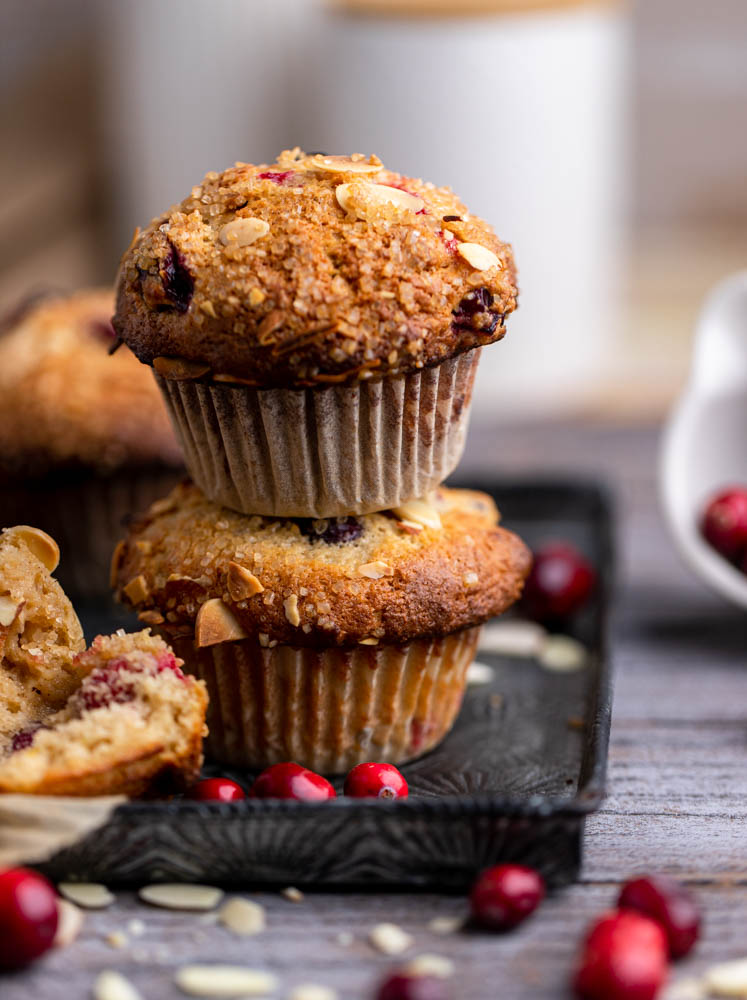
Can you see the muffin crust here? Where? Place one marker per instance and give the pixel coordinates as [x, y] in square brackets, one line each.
[316, 270]
[190, 567]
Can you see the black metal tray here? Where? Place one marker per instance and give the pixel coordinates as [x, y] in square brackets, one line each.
[515, 780]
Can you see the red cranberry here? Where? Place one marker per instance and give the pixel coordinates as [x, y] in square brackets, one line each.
[624, 958]
[474, 312]
[505, 895]
[291, 781]
[724, 523]
[670, 904]
[216, 790]
[332, 531]
[559, 583]
[23, 739]
[378, 781]
[404, 986]
[28, 917]
[276, 176]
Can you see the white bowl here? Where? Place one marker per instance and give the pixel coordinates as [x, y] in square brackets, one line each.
[704, 448]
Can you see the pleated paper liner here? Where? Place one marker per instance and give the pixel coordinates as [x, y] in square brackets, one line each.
[330, 709]
[327, 451]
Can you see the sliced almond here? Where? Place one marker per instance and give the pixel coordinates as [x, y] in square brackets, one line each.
[290, 606]
[479, 673]
[512, 638]
[478, 256]
[312, 991]
[389, 939]
[179, 369]
[241, 583]
[370, 640]
[69, 923]
[728, 979]
[292, 894]
[242, 916]
[445, 925]
[42, 545]
[181, 896]
[437, 966]
[89, 895]
[216, 623]
[137, 589]
[111, 985]
[243, 232]
[355, 164]
[562, 654]
[151, 617]
[375, 570]
[224, 981]
[8, 610]
[419, 511]
[356, 197]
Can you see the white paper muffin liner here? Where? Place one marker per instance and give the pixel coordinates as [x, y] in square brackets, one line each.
[327, 451]
[330, 709]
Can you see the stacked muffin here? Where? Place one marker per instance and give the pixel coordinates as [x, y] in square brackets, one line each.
[315, 328]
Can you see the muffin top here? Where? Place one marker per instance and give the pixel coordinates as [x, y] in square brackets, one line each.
[313, 271]
[64, 402]
[191, 567]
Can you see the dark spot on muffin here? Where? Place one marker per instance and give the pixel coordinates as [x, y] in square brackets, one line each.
[332, 530]
[474, 312]
[452, 218]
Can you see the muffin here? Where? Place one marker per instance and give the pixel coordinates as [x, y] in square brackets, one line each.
[84, 437]
[40, 634]
[133, 726]
[325, 641]
[315, 327]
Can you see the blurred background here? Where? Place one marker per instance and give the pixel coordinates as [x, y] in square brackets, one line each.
[607, 142]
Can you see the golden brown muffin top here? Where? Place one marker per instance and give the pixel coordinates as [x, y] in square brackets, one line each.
[315, 270]
[189, 567]
[64, 402]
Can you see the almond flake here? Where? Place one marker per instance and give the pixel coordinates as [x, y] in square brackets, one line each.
[179, 369]
[8, 610]
[89, 895]
[216, 623]
[110, 985]
[42, 545]
[562, 654]
[69, 923]
[224, 981]
[181, 896]
[480, 673]
[242, 916]
[478, 256]
[375, 570]
[137, 589]
[389, 939]
[470, 579]
[243, 232]
[241, 583]
[512, 638]
[355, 164]
[358, 196]
[419, 511]
[437, 966]
[292, 894]
[290, 606]
[311, 991]
[371, 640]
[728, 979]
[445, 925]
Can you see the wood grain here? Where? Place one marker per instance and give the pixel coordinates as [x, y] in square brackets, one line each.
[677, 792]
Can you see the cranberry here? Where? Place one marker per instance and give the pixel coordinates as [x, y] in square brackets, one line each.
[559, 583]
[23, 739]
[505, 895]
[404, 986]
[724, 523]
[291, 781]
[172, 288]
[624, 958]
[332, 531]
[670, 904]
[474, 312]
[103, 687]
[216, 790]
[28, 917]
[276, 176]
[378, 781]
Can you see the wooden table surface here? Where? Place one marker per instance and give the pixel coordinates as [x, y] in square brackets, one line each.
[677, 791]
